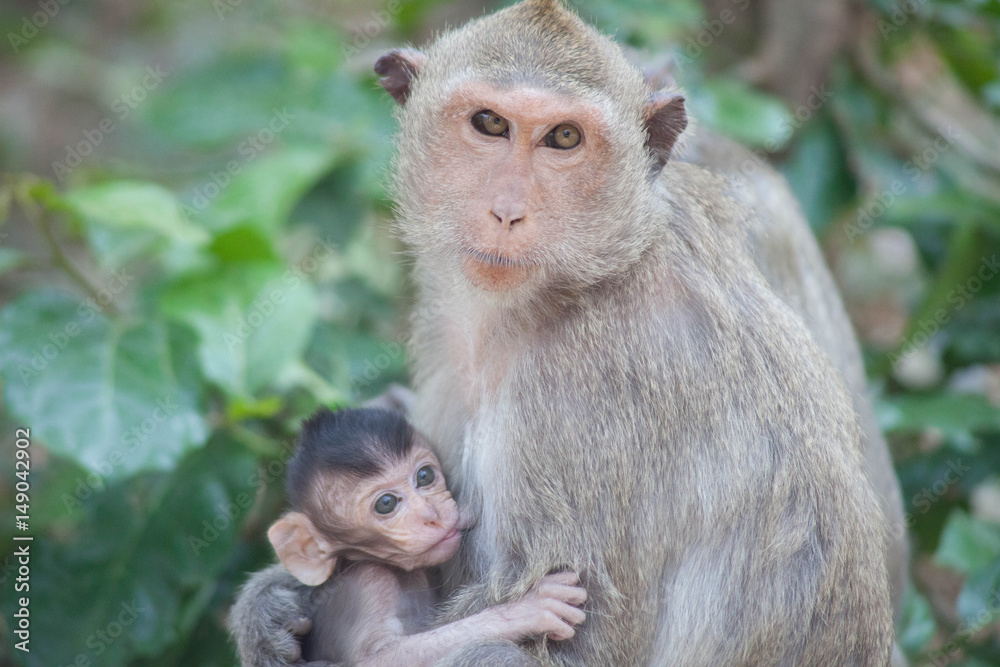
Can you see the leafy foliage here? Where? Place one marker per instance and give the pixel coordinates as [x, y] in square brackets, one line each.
[199, 257]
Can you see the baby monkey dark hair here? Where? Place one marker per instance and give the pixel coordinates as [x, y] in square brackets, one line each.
[360, 441]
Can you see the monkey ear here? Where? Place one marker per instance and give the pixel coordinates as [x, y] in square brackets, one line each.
[665, 120]
[398, 68]
[302, 549]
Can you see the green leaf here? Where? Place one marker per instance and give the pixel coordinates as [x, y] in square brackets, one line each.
[9, 259]
[53, 479]
[117, 399]
[137, 573]
[267, 188]
[252, 320]
[969, 55]
[132, 205]
[967, 544]
[818, 172]
[313, 48]
[745, 114]
[221, 103]
[977, 601]
[949, 206]
[953, 414]
[917, 626]
[243, 244]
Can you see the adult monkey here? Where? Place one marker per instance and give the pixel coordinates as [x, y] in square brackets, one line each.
[609, 377]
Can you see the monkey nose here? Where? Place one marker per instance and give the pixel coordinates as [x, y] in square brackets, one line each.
[507, 219]
[429, 513]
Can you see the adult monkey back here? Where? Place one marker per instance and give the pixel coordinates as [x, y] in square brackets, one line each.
[614, 385]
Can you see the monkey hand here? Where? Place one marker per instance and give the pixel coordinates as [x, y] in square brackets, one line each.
[268, 620]
[551, 608]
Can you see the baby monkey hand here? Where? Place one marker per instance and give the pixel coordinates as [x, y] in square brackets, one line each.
[550, 608]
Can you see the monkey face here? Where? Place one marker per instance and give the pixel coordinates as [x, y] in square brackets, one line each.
[524, 159]
[529, 152]
[404, 516]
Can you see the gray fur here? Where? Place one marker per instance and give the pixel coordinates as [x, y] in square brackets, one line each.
[265, 618]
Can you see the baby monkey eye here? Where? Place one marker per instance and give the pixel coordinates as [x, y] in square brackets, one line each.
[490, 123]
[425, 476]
[564, 136]
[386, 504]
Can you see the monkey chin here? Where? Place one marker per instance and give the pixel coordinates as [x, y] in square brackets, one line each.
[444, 550]
[493, 277]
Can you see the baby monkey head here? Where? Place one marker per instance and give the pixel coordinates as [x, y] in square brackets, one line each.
[364, 485]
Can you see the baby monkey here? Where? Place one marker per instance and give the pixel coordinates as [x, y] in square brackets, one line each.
[370, 513]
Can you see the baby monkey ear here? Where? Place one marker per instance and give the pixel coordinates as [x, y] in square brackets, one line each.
[398, 69]
[666, 118]
[302, 549]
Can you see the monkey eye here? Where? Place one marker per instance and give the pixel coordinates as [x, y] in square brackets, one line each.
[386, 503]
[491, 124]
[564, 136]
[425, 476]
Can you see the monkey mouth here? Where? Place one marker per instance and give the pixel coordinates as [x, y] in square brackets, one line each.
[447, 545]
[496, 259]
[494, 271]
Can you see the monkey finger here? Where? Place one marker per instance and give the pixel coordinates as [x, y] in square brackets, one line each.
[300, 626]
[292, 652]
[568, 578]
[569, 613]
[570, 594]
[562, 633]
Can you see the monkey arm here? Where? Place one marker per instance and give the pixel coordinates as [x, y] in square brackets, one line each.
[548, 609]
[269, 619]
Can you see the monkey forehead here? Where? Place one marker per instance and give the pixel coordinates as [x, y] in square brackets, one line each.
[421, 453]
[342, 489]
[526, 104]
[535, 40]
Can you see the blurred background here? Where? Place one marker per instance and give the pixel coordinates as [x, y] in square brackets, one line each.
[195, 253]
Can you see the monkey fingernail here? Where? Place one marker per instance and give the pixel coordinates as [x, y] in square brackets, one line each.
[301, 626]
